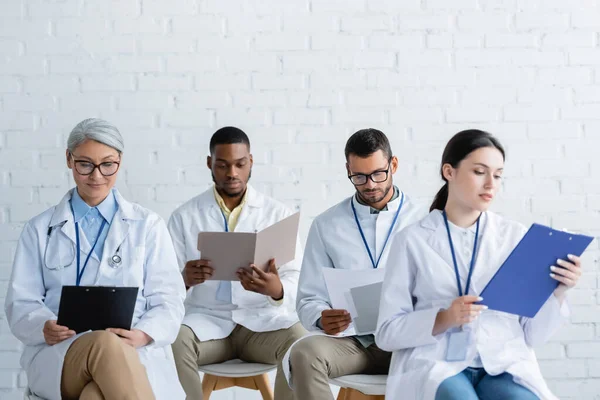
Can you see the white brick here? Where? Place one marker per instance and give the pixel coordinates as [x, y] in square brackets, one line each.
[386, 41]
[362, 115]
[268, 98]
[299, 154]
[338, 6]
[482, 58]
[244, 24]
[220, 7]
[87, 101]
[139, 26]
[467, 41]
[581, 112]
[309, 23]
[173, 7]
[438, 41]
[550, 351]
[9, 47]
[280, 42]
[107, 83]
[584, 57]
[584, 350]
[37, 177]
[583, 149]
[152, 175]
[12, 120]
[128, 8]
[543, 21]
[573, 169]
[191, 63]
[12, 9]
[524, 186]
[185, 119]
[569, 40]
[523, 112]
[327, 134]
[50, 85]
[194, 101]
[261, 7]
[72, 27]
[425, 22]
[124, 64]
[548, 94]
[313, 99]
[393, 6]
[197, 24]
[24, 65]
[554, 130]
[243, 117]
[108, 45]
[486, 95]
[405, 115]
[369, 59]
[27, 102]
[473, 114]
[444, 76]
[164, 83]
[315, 60]
[130, 119]
[367, 24]
[563, 369]
[23, 29]
[511, 40]
[9, 85]
[62, 65]
[582, 19]
[167, 44]
[426, 58]
[208, 44]
[276, 81]
[143, 101]
[300, 117]
[332, 41]
[587, 94]
[503, 76]
[219, 81]
[376, 79]
[23, 194]
[541, 205]
[24, 212]
[371, 98]
[37, 140]
[484, 22]
[41, 8]
[52, 46]
[574, 332]
[498, 4]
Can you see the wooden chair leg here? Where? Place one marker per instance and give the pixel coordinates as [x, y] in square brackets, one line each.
[209, 383]
[263, 385]
[353, 394]
[342, 394]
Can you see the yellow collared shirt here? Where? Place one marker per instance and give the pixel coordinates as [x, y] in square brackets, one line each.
[231, 216]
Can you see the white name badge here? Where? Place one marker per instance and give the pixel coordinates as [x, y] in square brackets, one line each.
[458, 344]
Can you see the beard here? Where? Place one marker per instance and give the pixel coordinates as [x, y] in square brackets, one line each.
[232, 193]
[373, 200]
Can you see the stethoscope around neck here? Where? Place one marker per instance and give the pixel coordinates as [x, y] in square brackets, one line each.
[115, 261]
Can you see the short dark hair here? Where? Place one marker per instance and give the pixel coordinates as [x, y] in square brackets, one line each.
[228, 135]
[365, 142]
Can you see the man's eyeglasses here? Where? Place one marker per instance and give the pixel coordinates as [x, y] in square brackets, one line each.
[377, 176]
[107, 168]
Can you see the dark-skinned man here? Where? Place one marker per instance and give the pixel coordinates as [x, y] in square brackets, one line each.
[350, 235]
[253, 319]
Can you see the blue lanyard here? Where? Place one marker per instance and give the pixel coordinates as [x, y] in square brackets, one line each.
[80, 273]
[225, 221]
[472, 266]
[362, 234]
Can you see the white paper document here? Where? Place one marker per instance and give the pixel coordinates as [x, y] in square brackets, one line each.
[359, 292]
[229, 251]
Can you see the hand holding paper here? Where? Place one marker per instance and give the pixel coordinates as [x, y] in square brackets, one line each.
[335, 321]
[259, 281]
[196, 272]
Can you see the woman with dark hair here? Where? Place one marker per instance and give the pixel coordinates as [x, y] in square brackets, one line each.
[445, 345]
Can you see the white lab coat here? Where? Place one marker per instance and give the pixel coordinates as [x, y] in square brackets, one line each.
[148, 262]
[420, 281]
[208, 317]
[334, 241]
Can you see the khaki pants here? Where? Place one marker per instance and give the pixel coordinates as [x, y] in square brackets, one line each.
[98, 366]
[242, 343]
[317, 358]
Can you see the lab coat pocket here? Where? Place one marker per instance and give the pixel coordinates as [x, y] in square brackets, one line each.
[134, 266]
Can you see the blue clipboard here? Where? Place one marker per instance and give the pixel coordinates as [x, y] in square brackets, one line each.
[523, 284]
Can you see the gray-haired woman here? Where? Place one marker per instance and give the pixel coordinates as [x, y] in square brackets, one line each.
[94, 237]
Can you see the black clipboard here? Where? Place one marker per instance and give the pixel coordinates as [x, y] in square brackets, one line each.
[85, 308]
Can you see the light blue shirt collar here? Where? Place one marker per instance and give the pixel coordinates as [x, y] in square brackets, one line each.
[108, 208]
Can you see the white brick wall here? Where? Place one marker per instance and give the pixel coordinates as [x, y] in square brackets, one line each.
[300, 76]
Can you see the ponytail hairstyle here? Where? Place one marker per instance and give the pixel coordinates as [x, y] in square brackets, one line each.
[458, 148]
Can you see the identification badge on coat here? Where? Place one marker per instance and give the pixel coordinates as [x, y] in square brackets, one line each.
[458, 344]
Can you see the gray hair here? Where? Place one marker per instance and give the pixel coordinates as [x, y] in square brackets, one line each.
[98, 130]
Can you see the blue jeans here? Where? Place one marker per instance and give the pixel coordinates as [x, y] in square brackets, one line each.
[476, 384]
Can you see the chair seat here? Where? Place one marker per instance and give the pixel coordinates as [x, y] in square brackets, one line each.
[367, 384]
[236, 369]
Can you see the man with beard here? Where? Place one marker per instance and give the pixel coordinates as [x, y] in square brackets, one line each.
[253, 319]
[352, 234]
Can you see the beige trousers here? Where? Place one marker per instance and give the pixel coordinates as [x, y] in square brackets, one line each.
[98, 366]
[242, 343]
[317, 358]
